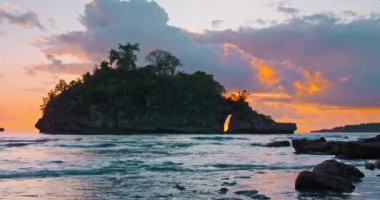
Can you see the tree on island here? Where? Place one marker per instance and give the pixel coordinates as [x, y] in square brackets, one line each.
[121, 97]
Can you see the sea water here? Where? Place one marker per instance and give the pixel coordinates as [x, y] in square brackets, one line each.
[37, 166]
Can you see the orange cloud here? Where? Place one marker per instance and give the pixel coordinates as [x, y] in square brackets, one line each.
[266, 75]
[313, 84]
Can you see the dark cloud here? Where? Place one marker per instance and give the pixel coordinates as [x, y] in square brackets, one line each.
[217, 23]
[27, 19]
[286, 9]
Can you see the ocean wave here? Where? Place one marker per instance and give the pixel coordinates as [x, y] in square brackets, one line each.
[219, 138]
[233, 167]
[257, 145]
[85, 146]
[60, 173]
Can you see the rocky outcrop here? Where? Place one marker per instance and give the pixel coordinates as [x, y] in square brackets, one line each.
[241, 123]
[372, 166]
[364, 149]
[278, 144]
[329, 175]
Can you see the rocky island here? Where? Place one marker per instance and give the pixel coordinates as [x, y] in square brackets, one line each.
[370, 127]
[121, 98]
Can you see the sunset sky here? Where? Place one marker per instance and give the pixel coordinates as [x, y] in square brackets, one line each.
[313, 62]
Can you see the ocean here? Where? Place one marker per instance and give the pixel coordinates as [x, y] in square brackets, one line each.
[38, 166]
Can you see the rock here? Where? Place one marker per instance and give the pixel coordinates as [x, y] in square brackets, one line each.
[310, 146]
[329, 175]
[253, 194]
[369, 166]
[229, 183]
[340, 169]
[377, 164]
[374, 139]
[223, 190]
[357, 150]
[2, 129]
[309, 181]
[179, 187]
[363, 149]
[278, 144]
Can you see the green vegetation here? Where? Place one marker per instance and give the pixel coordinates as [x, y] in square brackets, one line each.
[119, 96]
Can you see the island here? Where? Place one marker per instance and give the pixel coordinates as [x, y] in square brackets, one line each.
[119, 97]
[364, 128]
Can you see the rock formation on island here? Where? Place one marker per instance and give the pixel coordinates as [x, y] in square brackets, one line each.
[370, 127]
[121, 98]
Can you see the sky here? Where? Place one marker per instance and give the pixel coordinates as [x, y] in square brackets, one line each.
[313, 62]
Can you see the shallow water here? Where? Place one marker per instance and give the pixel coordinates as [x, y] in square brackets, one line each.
[36, 166]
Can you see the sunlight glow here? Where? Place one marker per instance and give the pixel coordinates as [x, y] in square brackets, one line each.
[227, 123]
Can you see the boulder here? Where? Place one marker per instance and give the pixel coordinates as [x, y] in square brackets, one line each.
[329, 175]
[179, 187]
[332, 167]
[253, 194]
[308, 180]
[369, 166]
[362, 149]
[223, 190]
[377, 164]
[310, 146]
[357, 150]
[278, 144]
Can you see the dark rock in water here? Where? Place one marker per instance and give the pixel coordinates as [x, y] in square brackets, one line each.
[229, 183]
[363, 149]
[312, 181]
[2, 129]
[278, 144]
[329, 175]
[253, 194]
[179, 187]
[223, 190]
[377, 164]
[374, 139]
[369, 166]
[310, 146]
[340, 169]
[243, 177]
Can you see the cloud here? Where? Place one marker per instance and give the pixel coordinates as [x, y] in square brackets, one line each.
[323, 45]
[111, 22]
[217, 23]
[56, 66]
[13, 16]
[308, 58]
[287, 10]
